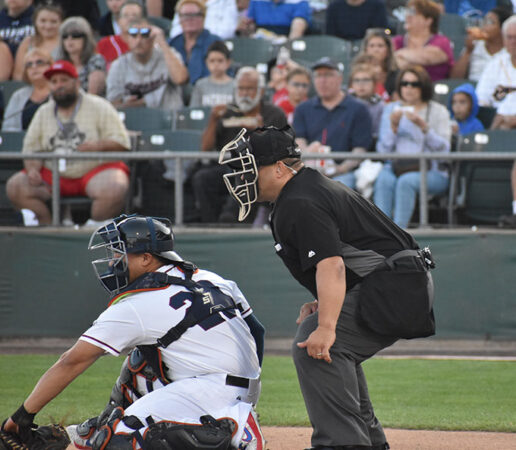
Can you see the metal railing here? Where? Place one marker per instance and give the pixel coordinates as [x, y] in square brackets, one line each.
[181, 156]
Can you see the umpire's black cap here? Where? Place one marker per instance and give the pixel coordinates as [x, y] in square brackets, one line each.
[271, 144]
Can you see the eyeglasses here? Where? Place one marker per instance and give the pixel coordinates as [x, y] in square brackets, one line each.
[299, 85]
[37, 63]
[361, 80]
[73, 35]
[189, 16]
[414, 84]
[143, 32]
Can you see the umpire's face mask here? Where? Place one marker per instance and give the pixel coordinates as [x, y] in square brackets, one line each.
[112, 268]
[242, 181]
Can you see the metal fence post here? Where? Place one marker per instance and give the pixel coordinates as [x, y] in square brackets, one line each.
[423, 193]
[56, 194]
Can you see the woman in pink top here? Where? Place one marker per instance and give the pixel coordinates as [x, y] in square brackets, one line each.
[422, 44]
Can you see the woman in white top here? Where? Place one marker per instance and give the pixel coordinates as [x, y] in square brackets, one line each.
[481, 45]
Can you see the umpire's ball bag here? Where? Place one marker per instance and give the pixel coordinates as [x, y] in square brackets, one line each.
[396, 299]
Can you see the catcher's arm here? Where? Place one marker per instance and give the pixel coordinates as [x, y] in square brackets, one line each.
[69, 366]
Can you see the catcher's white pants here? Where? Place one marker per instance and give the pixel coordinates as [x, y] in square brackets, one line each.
[185, 401]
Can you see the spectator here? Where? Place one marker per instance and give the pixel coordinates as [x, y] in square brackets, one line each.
[498, 80]
[286, 18]
[378, 44]
[248, 111]
[218, 88]
[161, 8]
[412, 125]
[481, 45]
[47, 19]
[333, 119]
[510, 221]
[149, 75]
[73, 121]
[88, 9]
[469, 7]
[16, 23]
[77, 45]
[350, 19]
[298, 85]
[108, 23]
[362, 82]
[221, 19]
[114, 46]
[25, 101]
[463, 107]
[422, 44]
[193, 43]
[7, 65]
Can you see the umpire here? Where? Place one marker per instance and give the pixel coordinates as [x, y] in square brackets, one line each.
[369, 278]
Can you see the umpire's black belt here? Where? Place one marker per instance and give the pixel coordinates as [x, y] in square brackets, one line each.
[232, 380]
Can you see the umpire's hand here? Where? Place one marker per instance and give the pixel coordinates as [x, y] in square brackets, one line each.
[306, 310]
[319, 343]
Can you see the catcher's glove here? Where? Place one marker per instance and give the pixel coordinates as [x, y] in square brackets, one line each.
[49, 437]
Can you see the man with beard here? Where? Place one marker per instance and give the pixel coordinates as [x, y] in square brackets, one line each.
[72, 121]
[248, 111]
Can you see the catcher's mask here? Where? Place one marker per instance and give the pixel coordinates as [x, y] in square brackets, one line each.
[249, 151]
[129, 234]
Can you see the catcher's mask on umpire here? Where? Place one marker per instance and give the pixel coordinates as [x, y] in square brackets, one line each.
[129, 234]
[249, 151]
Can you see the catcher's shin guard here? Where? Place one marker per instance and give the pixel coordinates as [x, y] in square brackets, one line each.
[106, 439]
[252, 437]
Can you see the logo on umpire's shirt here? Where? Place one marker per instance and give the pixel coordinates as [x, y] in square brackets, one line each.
[311, 253]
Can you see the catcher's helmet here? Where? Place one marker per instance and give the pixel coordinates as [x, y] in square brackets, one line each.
[130, 234]
[246, 153]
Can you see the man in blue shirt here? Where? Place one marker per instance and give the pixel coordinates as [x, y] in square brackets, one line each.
[284, 17]
[349, 19]
[335, 120]
[194, 41]
[16, 23]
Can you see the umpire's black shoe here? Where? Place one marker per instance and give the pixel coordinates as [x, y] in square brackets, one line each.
[507, 221]
[384, 446]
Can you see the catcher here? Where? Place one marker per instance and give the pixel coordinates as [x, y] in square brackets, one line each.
[192, 377]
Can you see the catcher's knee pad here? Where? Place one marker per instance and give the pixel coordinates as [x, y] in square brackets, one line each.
[106, 439]
[211, 434]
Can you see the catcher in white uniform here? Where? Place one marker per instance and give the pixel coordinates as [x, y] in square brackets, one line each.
[192, 377]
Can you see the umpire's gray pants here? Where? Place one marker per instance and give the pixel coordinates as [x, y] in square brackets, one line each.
[335, 394]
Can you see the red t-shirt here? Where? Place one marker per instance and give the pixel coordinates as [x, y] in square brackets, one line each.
[288, 109]
[111, 47]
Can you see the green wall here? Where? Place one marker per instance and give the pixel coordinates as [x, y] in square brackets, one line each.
[48, 288]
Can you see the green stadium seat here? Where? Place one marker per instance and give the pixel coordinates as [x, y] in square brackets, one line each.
[144, 119]
[8, 87]
[251, 52]
[453, 26]
[192, 118]
[486, 114]
[484, 187]
[444, 88]
[162, 22]
[9, 142]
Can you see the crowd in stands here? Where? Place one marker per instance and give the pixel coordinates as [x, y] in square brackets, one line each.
[79, 66]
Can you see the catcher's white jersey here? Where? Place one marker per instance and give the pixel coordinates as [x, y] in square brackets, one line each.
[223, 344]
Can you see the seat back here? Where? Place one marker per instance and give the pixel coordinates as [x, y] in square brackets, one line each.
[9, 142]
[487, 184]
[453, 26]
[486, 114]
[251, 52]
[192, 118]
[145, 119]
[171, 140]
[8, 87]
[161, 22]
[444, 88]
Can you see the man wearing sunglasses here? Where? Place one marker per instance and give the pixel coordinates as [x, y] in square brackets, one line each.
[150, 74]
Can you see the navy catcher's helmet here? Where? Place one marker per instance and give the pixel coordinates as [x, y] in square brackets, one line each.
[130, 234]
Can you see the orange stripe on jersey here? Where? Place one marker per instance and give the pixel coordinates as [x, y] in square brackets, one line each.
[125, 294]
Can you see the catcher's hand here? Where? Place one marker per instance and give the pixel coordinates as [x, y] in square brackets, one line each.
[49, 437]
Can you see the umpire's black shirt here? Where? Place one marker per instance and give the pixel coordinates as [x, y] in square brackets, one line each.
[315, 218]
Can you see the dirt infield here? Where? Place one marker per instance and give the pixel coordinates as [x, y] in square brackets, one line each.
[290, 438]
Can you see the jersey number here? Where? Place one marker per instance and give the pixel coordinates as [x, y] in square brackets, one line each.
[200, 308]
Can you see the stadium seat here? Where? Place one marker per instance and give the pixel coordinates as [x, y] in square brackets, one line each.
[8, 87]
[144, 119]
[486, 114]
[453, 26]
[251, 52]
[162, 22]
[443, 88]
[9, 142]
[483, 188]
[192, 118]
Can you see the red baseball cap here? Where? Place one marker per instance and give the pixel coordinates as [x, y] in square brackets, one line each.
[61, 66]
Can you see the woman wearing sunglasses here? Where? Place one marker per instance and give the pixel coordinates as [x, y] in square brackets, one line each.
[414, 124]
[25, 101]
[47, 18]
[77, 45]
[422, 44]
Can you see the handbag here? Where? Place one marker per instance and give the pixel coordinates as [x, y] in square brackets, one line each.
[401, 166]
[396, 298]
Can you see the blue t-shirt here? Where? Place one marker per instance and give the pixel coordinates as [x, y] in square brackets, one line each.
[343, 128]
[14, 29]
[196, 64]
[351, 22]
[277, 16]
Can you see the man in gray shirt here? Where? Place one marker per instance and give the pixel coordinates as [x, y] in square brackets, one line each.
[148, 75]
